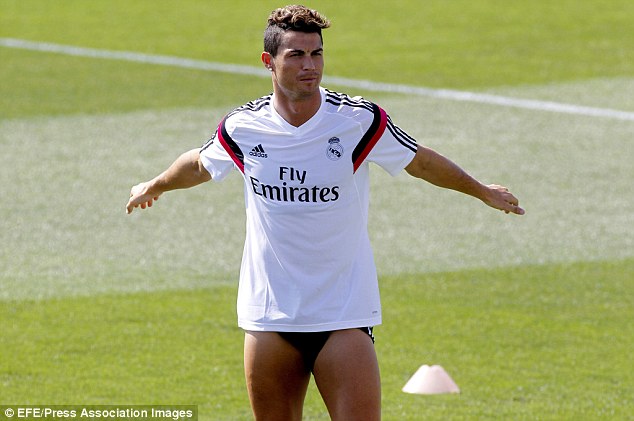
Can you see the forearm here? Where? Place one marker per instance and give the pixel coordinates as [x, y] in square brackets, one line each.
[186, 171]
[442, 172]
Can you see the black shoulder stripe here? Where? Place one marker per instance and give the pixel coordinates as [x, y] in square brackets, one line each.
[255, 105]
[231, 146]
[337, 99]
[402, 137]
[370, 138]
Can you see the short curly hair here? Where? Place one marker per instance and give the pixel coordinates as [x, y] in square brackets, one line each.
[292, 18]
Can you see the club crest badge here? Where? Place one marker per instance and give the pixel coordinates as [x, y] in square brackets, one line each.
[334, 151]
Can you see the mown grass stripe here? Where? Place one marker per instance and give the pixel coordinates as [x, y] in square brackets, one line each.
[448, 94]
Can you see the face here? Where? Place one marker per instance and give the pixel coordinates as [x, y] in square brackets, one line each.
[298, 66]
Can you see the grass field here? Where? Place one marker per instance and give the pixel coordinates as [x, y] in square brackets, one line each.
[530, 315]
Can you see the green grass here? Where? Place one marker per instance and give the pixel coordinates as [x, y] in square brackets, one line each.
[97, 307]
[457, 44]
[102, 86]
[514, 339]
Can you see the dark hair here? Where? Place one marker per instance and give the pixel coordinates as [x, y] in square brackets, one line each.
[291, 18]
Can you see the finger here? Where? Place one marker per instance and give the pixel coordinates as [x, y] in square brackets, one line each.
[516, 210]
[515, 205]
[510, 198]
[511, 206]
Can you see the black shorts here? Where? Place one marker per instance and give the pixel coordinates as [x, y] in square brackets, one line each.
[309, 344]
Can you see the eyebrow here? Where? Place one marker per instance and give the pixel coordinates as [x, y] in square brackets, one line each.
[318, 50]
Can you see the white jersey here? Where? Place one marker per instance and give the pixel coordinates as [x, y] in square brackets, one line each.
[307, 264]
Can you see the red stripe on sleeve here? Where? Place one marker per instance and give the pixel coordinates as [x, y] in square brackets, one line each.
[227, 142]
[375, 138]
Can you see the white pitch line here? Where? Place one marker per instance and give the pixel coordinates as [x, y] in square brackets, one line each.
[239, 69]
[132, 56]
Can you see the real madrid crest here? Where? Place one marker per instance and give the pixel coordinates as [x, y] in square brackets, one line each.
[334, 151]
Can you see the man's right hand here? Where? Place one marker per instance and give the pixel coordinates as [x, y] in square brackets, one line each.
[140, 195]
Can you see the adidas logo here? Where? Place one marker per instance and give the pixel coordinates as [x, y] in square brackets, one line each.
[258, 151]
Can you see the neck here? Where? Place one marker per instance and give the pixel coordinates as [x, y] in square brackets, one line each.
[296, 111]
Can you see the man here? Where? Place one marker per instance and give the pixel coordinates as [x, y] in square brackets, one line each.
[308, 294]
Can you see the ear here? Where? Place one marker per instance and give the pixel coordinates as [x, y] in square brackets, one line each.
[267, 60]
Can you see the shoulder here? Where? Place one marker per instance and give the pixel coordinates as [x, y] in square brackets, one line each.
[354, 107]
[251, 111]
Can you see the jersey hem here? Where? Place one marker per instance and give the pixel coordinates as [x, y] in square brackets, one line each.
[323, 327]
[406, 161]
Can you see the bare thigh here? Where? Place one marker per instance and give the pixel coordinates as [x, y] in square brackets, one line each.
[276, 376]
[347, 375]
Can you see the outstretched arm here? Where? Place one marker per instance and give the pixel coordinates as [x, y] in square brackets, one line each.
[187, 171]
[442, 172]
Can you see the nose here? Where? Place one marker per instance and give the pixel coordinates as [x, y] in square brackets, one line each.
[309, 63]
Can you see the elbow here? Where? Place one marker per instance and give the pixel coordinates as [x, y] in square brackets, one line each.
[203, 174]
[419, 166]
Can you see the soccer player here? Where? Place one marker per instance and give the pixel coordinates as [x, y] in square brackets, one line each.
[308, 295]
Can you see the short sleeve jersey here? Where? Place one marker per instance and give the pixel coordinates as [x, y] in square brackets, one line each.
[307, 263]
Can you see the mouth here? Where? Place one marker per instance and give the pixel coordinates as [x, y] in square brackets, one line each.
[309, 78]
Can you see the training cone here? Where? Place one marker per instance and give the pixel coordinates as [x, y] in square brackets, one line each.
[430, 381]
